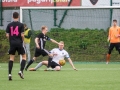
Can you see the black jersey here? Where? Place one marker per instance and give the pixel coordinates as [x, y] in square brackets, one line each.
[42, 40]
[15, 29]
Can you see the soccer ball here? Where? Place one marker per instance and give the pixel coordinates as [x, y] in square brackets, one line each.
[62, 62]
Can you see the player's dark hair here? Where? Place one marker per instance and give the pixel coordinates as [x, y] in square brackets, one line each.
[25, 25]
[15, 15]
[43, 27]
[114, 20]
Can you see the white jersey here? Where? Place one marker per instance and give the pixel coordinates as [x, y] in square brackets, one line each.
[59, 54]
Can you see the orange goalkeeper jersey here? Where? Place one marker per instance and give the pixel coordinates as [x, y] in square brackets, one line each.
[114, 32]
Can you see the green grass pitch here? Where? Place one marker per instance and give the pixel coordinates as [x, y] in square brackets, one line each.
[90, 76]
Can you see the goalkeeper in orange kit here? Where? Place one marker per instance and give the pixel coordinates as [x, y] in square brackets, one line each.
[114, 39]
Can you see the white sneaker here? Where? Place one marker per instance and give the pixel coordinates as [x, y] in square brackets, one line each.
[107, 63]
[49, 69]
[21, 75]
[10, 77]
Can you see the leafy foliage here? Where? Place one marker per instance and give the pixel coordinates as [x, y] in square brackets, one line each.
[82, 44]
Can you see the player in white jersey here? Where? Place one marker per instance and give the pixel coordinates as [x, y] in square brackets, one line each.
[59, 54]
[56, 54]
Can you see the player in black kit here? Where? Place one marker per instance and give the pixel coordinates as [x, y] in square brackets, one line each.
[15, 35]
[40, 41]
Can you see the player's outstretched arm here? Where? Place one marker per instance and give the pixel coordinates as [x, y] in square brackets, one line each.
[52, 40]
[71, 63]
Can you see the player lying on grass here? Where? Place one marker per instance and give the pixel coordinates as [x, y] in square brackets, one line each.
[57, 54]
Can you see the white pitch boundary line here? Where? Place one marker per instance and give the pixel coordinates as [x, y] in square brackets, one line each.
[92, 69]
[80, 69]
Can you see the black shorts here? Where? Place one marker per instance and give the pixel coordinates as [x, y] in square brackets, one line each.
[54, 64]
[39, 52]
[116, 45]
[112, 45]
[19, 48]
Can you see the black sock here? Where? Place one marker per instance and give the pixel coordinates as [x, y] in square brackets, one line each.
[23, 62]
[29, 63]
[10, 65]
[49, 62]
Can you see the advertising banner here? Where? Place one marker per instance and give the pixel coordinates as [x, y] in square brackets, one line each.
[18, 3]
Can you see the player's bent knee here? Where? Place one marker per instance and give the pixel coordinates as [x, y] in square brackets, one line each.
[12, 57]
[57, 68]
[45, 62]
[24, 56]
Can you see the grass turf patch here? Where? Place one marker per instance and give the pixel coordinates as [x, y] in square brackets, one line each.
[88, 77]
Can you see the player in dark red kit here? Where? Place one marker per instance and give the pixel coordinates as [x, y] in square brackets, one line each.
[15, 35]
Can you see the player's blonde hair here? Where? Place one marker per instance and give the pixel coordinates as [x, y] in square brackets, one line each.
[61, 42]
[43, 27]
